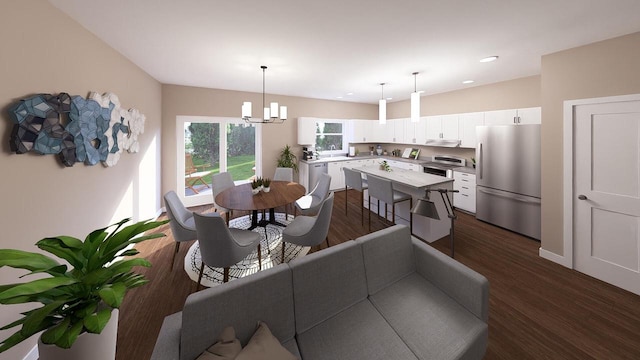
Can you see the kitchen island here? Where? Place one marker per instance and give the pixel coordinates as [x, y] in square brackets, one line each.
[415, 184]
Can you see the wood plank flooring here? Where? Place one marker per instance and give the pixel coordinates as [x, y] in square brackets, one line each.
[537, 309]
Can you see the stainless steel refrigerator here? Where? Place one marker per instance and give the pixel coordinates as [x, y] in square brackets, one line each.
[508, 177]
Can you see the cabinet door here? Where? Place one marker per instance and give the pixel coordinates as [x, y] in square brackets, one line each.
[382, 133]
[434, 127]
[530, 115]
[467, 128]
[337, 178]
[362, 131]
[450, 127]
[306, 131]
[398, 131]
[500, 117]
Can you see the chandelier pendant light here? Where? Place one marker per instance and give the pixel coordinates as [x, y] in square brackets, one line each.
[415, 100]
[270, 114]
[382, 107]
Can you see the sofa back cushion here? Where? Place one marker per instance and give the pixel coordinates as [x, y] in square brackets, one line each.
[265, 296]
[327, 282]
[388, 256]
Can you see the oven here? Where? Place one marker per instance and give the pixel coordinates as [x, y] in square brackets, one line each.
[443, 165]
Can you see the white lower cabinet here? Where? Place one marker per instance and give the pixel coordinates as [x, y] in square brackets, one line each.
[465, 183]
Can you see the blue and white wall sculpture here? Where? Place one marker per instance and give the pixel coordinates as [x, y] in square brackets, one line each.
[98, 128]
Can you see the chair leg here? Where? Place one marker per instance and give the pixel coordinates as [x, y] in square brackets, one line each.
[410, 216]
[200, 276]
[283, 252]
[225, 277]
[226, 215]
[259, 257]
[346, 196]
[266, 238]
[327, 239]
[362, 208]
[175, 253]
[369, 213]
[393, 213]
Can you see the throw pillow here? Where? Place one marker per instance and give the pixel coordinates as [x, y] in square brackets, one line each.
[226, 348]
[264, 346]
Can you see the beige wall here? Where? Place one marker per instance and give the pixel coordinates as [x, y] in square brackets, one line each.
[184, 100]
[44, 51]
[601, 69]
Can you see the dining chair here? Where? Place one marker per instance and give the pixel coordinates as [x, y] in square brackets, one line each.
[309, 230]
[221, 246]
[194, 174]
[181, 221]
[283, 174]
[353, 179]
[382, 189]
[221, 182]
[310, 203]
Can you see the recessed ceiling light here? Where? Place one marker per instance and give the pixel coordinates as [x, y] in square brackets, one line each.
[420, 91]
[467, 82]
[489, 59]
[338, 97]
[349, 94]
[389, 98]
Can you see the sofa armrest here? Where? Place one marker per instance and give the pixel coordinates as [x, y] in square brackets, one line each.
[168, 343]
[469, 288]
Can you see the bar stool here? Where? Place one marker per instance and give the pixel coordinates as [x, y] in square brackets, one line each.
[353, 179]
[382, 189]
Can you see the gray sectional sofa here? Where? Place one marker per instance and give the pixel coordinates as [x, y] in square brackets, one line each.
[382, 296]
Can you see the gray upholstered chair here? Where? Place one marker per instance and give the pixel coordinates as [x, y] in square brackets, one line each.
[221, 182]
[382, 189]
[353, 179]
[181, 221]
[221, 246]
[310, 203]
[283, 174]
[309, 230]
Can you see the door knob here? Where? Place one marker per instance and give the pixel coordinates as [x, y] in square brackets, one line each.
[582, 197]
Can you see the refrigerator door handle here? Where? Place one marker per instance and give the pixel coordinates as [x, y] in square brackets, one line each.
[512, 197]
[480, 160]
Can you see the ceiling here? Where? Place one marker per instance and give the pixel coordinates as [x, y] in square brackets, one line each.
[343, 49]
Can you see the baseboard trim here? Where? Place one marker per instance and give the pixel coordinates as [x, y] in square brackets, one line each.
[558, 259]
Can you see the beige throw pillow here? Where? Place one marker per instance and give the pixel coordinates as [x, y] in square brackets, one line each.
[226, 348]
[264, 346]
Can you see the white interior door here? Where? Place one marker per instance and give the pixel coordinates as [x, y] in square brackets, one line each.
[607, 192]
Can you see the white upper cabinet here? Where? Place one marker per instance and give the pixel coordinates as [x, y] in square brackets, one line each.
[382, 133]
[530, 115]
[362, 131]
[442, 127]
[306, 130]
[398, 131]
[415, 133]
[467, 128]
[513, 116]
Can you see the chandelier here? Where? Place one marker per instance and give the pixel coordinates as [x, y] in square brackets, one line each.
[270, 113]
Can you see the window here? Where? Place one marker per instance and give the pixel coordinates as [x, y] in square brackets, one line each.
[210, 145]
[331, 137]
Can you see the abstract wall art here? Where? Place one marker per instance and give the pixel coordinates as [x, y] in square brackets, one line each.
[92, 130]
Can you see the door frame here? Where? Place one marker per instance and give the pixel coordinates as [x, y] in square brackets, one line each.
[568, 161]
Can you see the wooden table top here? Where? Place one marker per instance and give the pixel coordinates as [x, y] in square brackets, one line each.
[240, 197]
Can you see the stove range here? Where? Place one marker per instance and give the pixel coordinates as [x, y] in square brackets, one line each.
[443, 165]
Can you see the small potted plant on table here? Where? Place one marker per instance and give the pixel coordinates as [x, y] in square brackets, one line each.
[266, 185]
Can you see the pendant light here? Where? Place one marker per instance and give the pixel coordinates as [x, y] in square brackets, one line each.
[270, 114]
[415, 100]
[382, 107]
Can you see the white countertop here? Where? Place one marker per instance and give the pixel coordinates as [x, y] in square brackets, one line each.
[363, 157]
[405, 177]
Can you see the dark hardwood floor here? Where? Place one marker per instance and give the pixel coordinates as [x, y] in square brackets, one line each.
[537, 309]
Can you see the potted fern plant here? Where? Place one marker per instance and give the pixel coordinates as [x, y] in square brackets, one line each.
[288, 159]
[80, 300]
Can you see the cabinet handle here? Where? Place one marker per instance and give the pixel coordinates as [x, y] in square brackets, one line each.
[582, 197]
[465, 195]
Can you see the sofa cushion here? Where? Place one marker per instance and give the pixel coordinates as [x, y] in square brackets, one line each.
[359, 332]
[327, 282]
[265, 296]
[227, 347]
[432, 324]
[263, 345]
[388, 256]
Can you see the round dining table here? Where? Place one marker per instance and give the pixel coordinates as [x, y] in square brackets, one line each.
[241, 198]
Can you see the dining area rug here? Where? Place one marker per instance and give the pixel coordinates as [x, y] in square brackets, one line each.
[271, 247]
